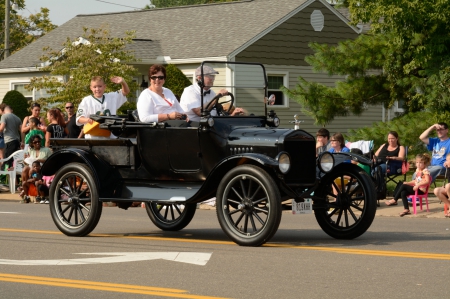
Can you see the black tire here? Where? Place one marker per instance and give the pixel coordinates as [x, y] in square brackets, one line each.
[348, 203]
[74, 203]
[170, 217]
[248, 205]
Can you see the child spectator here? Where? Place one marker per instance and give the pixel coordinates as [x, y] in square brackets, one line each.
[56, 127]
[101, 103]
[34, 176]
[443, 192]
[42, 186]
[33, 123]
[421, 181]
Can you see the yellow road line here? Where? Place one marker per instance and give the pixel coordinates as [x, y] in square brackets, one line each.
[100, 286]
[420, 255]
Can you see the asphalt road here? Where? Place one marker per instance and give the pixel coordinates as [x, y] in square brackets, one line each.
[396, 258]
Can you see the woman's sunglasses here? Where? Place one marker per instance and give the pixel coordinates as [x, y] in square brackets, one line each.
[157, 77]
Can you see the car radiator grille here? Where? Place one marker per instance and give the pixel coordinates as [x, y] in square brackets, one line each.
[301, 146]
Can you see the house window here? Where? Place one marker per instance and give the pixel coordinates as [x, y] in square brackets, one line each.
[275, 81]
[20, 87]
[399, 106]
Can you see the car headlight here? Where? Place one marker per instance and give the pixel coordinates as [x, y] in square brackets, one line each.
[284, 162]
[326, 162]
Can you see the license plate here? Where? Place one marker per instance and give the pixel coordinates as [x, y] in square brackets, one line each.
[302, 207]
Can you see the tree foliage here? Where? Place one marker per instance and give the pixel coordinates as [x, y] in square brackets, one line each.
[406, 56]
[176, 81]
[18, 103]
[171, 3]
[24, 30]
[70, 70]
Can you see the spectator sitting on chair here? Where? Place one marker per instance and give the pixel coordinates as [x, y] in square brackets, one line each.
[443, 192]
[323, 141]
[419, 183]
[391, 151]
[35, 153]
[440, 147]
[338, 144]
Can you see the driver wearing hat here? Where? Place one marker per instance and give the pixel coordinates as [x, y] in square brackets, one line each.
[191, 98]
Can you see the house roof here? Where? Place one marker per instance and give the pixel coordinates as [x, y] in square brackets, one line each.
[187, 32]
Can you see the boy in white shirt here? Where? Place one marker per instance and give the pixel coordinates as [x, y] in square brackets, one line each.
[100, 103]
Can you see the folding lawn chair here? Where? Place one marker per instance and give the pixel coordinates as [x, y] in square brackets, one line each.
[396, 170]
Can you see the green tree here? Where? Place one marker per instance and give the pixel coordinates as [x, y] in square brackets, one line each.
[404, 57]
[17, 102]
[95, 53]
[176, 81]
[24, 30]
[171, 3]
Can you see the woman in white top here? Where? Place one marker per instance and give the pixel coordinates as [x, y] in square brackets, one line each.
[157, 103]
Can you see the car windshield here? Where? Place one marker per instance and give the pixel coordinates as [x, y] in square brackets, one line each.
[246, 81]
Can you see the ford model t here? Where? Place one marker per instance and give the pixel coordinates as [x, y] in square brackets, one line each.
[249, 164]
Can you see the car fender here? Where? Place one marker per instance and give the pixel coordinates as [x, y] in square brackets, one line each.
[219, 171]
[346, 157]
[106, 177]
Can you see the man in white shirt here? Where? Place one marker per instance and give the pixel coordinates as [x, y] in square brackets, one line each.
[191, 98]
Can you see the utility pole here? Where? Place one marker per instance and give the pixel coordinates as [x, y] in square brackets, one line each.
[7, 10]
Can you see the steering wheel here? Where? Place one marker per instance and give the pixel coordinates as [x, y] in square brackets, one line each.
[214, 103]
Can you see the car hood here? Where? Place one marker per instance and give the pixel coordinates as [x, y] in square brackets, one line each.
[257, 136]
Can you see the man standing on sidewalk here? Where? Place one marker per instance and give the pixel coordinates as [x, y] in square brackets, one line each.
[74, 130]
[440, 147]
[10, 125]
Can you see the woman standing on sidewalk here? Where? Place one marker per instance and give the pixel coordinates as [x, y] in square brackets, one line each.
[421, 181]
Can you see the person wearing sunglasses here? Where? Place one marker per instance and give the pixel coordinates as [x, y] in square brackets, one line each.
[440, 147]
[191, 98]
[74, 131]
[101, 103]
[159, 104]
[35, 112]
[338, 144]
[35, 152]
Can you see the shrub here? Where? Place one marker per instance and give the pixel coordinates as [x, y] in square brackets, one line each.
[18, 103]
[176, 81]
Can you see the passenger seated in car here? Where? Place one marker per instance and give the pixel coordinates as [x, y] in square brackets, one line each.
[101, 103]
[191, 98]
[159, 104]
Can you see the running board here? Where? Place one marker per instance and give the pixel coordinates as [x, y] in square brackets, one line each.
[170, 193]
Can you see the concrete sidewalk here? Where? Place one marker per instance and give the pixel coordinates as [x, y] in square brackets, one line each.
[436, 208]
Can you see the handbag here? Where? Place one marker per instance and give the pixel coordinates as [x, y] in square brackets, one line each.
[405, 167]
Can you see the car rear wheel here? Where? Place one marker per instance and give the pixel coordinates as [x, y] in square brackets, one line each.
[170, 217]
[248, 205]
[348, 203]
[73, 198]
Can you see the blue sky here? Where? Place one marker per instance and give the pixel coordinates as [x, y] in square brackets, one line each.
[62, 11]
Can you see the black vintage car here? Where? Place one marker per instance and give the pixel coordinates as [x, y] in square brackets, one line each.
[246, 162]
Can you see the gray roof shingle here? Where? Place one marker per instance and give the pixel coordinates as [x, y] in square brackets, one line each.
[213, 30]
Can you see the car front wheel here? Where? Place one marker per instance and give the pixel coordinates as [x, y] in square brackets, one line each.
[248, 205]
[347, 203]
